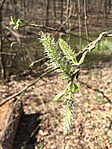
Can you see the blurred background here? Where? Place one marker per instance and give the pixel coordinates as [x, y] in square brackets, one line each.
[41, 126]
[87, 18]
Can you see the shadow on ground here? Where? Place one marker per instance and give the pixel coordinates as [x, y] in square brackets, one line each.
[27, 130]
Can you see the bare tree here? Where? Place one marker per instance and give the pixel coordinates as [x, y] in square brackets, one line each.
[61, 11]
[79, 16]
[54, 3]
[1, 43]
[109, 5]
[47, 11]
[67, 14]
[85, 16]
[14, 8]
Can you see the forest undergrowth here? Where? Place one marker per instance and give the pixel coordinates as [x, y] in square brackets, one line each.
[41, 126]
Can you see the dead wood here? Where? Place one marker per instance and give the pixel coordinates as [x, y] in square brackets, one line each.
[10, 114]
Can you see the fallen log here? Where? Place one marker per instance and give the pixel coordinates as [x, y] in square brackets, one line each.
[10, 114]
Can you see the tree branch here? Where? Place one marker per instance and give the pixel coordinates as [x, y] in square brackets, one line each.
[54, 29]
[5, 53]
[24, 90]
[87, 49]
[96, 90]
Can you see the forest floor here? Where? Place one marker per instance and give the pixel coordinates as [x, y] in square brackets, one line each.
[41, 126]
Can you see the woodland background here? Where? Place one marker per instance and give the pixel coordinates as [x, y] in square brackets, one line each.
[77, 16]
[40, 124]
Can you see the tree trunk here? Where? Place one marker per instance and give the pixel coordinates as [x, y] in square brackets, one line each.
[2, 72]
[54, 3]
[67, 15]
[109, 5]
[14, 8]
[85, 16]
[47, 12]
[61, 12]
[79, 15]
[24, 4]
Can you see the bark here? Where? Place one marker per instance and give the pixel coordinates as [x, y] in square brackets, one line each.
[109, 5]
[79, 16]
[14, 8]
[85, 15]
[3, 74]
[61, 12]
[54, 3]
[47, 11]
[67, 14]
[10, 114]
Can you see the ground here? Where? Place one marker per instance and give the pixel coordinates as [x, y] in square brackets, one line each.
[41, 125]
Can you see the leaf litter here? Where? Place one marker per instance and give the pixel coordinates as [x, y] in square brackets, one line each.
[41, 125]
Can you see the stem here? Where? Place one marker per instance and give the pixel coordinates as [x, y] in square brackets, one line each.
[70, 94]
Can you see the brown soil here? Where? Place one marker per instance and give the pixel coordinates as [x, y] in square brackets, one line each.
[41, 126]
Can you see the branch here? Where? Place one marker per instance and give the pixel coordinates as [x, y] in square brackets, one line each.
[17, 35]
[89, 48]
[18, 39]
[24, 90]
[96, 90]
[1, 7]
[5, 53]
[54, 29]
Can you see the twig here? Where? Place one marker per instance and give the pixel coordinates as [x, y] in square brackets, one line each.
[32, 134]
[24, 90]
[12, 46]
[17, 35]
[109, 31]
[96, 90]
[89, 48]
[5, 53]
[54, 29]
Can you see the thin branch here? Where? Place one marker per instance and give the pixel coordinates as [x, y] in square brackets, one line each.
[32, 134]
[92, 45]
[54, 29]
[96, 90]
[5, 53]
[70, 33]
[6, 37]
[17, 35]
[87, 49]
[109, 31]
[24, 90]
